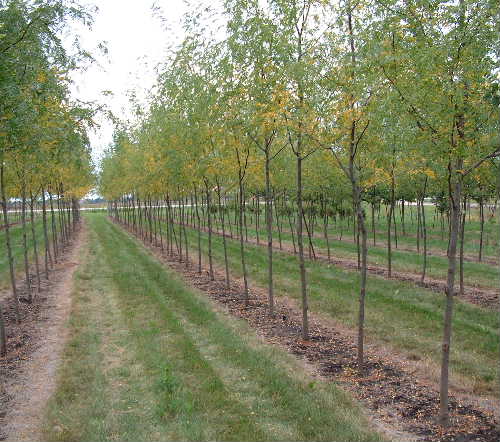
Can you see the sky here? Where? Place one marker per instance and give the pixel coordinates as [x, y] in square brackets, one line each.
[136, 40]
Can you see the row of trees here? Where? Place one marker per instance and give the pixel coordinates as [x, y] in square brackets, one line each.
[332, 98]
[45, 162]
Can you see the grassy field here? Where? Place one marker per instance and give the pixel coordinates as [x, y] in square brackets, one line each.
[437, 239]
[475, 273]
[397, 313]
[16, 237]
[150, 359]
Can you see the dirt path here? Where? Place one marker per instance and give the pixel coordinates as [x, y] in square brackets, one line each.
[31, 368]
[397, 397]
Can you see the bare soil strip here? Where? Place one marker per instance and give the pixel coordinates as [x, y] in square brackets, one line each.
[393, 392]
[28, 372]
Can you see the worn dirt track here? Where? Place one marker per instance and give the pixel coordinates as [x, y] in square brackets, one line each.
[393, 393]
[28, 372]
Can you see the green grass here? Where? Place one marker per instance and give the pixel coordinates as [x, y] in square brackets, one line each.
[149, 359]
[475, 273]
[16, 237]
[397, 313]
[437, 240]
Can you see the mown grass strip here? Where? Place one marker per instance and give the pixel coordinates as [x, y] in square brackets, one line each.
[179, 371]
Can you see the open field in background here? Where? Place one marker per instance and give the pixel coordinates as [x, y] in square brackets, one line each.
[149, 359]
[398, 314]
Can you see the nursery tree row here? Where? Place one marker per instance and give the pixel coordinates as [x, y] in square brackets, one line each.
[335, 105]
[45, 163]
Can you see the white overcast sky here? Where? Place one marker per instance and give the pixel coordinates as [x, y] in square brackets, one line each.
[136, 41]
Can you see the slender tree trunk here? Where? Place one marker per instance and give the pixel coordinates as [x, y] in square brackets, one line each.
[373, 224]
[300, 242]
[325, 228]
[25, 242]
[424, 230]
[364, 267]
[269, 228]
[35, 243]
[309, 237]
[462, 237]
[455, 196]
[224, 242]
[419, 224]
[389, 236]
[209, 220]
[293, 234]
[481, 218]
[198, 226]
[278, 219]
[54, 229]
[403, 217]
[45, 236]
[242, 245]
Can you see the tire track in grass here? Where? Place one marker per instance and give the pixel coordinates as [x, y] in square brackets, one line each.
[92, 400]
[179, 371]
[318, 416]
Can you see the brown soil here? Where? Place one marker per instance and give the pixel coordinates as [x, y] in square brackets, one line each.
[392, 391]
[28, 371]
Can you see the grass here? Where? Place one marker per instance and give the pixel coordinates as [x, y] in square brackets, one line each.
[149, 359]
[475, 273]
[16, 237]
[397, 313]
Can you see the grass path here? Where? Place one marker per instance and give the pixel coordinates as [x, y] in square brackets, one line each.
[149, 359]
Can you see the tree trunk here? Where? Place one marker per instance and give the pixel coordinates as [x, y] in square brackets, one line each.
[424, 231]
[462, 237]
[300, 242]
[269, 228]
[198, 226]
[209, 220]
[45, 236]
[224, 242]
[481, 218]
[403, 217]
[455, 196]
[242, 245]
[389, 236]
[364, 267]
[373, 224]
[184, 222]
[35, 245]
[325, 228]
[25, 242]
[54, 229]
